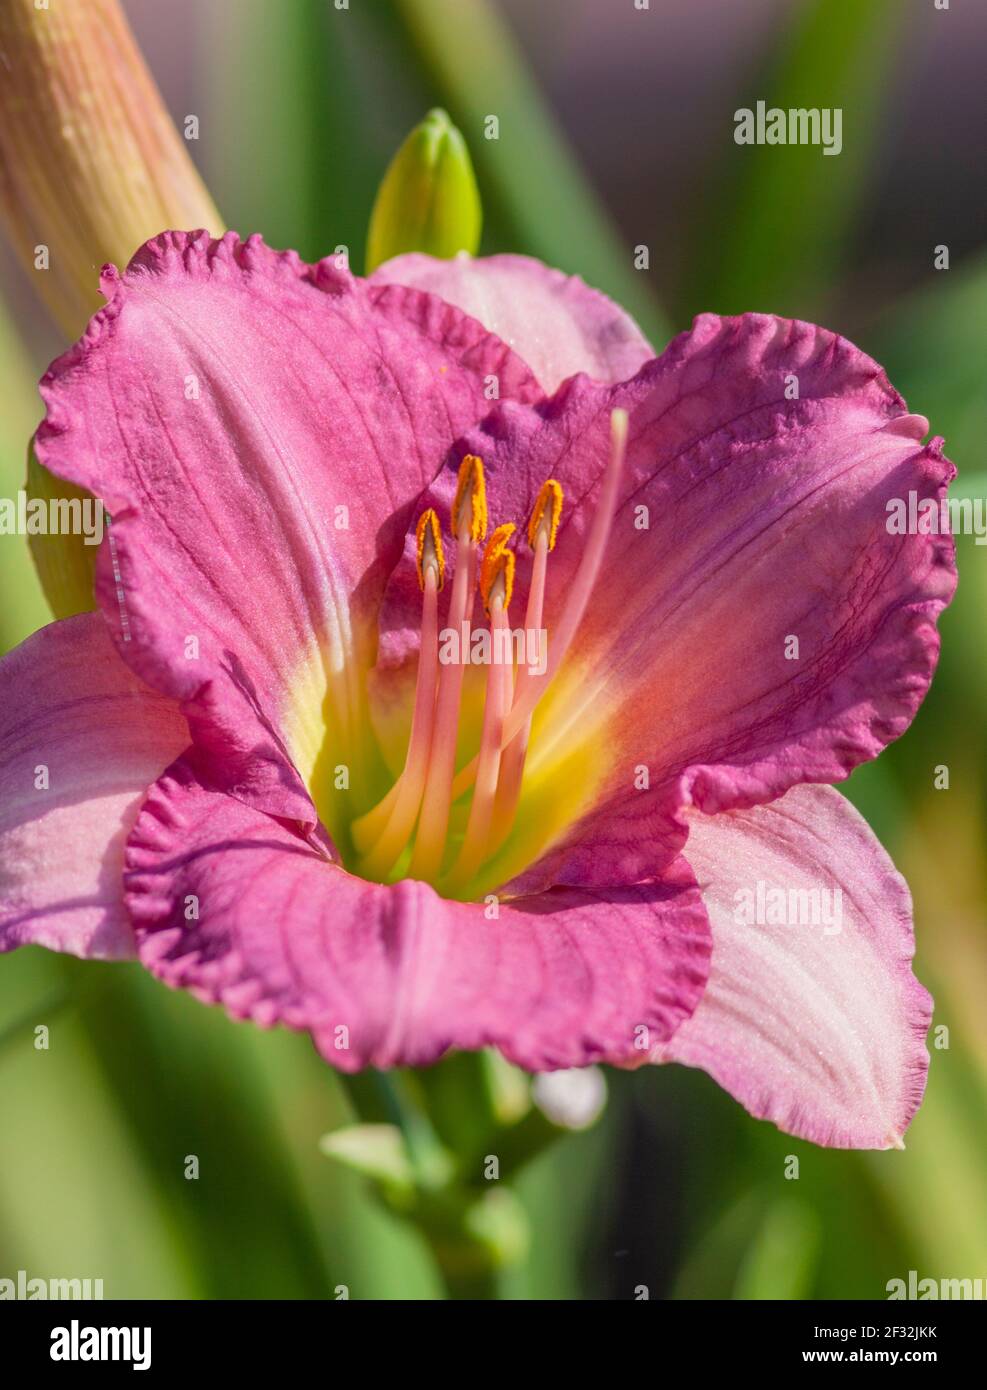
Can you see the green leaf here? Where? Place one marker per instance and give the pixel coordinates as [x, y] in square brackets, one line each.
[375, 1151]
[933, 344]
[64, 561]
[24, 609]
[497, 1221]
[776, 224]
[780, 1261]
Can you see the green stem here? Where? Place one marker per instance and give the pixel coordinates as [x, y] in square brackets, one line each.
[20, 1027]
[470, 1226]
[428, 1158]
[464, 1284]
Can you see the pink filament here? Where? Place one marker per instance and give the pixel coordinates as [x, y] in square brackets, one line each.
[433, 825]
[403, 807]
[499, 687]
[514, 755]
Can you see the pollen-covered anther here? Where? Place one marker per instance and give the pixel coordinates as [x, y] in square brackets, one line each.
[497, 568]
[577, 597]
[545, 513]
[428, 549]
[469, 506]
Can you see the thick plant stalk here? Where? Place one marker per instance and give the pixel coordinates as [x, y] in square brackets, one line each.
[91, 165]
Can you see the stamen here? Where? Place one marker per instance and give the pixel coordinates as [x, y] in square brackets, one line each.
[469, 514]
[496, 583]
[428, 542]
[545, 513]
[497, 570]
[576, 600]
[542, 529]
[471, 488]
[399, 809]
[425, 789]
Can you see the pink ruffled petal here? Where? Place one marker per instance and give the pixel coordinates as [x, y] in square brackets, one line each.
[750, 520]
[81, 739]
[554, 321]
[259, 429]
[815, 1022]
[234, 906]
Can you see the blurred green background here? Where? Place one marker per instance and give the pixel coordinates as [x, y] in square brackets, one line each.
[616, 129]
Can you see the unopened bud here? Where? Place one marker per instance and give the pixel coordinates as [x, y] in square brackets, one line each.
[428, 200]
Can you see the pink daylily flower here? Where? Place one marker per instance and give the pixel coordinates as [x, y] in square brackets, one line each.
[261, 780]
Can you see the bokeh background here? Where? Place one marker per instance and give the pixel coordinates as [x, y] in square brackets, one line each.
[616, 130]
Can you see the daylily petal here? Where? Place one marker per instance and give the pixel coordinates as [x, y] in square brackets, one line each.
[259, 429]
[81, 739]
[556, 322]
[236, 907]
[747, 519]
[819, 1028]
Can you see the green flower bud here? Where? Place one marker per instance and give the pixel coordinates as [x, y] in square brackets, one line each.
[428, 200]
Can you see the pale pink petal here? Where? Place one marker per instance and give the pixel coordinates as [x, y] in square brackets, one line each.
[234, 906]
[81, 739]
[556, 322]
[817, 1025]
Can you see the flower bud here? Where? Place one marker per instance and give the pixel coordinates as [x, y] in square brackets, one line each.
[571, 1099]
[91, 167]
[428, 200]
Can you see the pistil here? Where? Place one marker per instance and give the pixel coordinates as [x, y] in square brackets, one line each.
[496, 584]
[542, 529]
